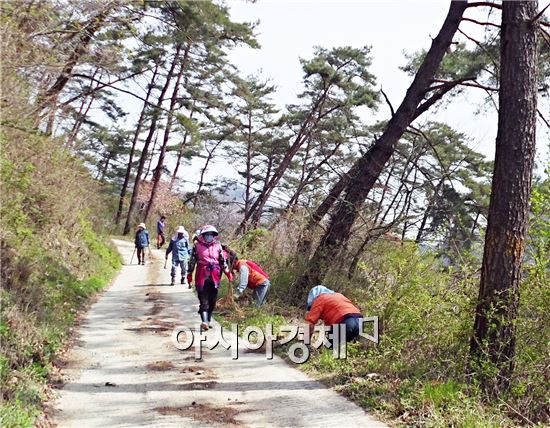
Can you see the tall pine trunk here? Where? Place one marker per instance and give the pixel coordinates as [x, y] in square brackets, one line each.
[169, 120]
[139, 126]
[369, 167]
[144, 153]
[493, 341]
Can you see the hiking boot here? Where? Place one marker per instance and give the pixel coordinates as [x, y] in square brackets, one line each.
[173, 282]
[204, 318]
[183, 281]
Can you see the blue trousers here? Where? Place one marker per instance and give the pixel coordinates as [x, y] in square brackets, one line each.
[352, 328]
[260, 292]
[183, 265]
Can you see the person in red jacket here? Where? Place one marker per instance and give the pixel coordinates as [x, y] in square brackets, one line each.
[251, 276]
[333, 308]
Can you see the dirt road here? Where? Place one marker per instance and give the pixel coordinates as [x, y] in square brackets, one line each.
[125, 371]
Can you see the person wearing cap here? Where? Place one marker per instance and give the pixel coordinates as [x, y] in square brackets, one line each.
[161, 225]
[209, 260]
[333, 308]
[179, 247]
[141, 241]
[251, 276]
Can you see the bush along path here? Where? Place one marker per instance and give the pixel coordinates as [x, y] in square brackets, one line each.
[125, 369]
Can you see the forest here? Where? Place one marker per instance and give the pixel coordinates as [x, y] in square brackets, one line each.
[116, 112]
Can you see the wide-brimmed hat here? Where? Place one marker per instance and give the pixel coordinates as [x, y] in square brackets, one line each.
[142, 225]
[209, 229]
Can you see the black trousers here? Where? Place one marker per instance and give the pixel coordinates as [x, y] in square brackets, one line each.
[141, 254]
[208, 295]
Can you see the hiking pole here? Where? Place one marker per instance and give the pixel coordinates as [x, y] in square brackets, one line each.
[149, 252]
[132, 259]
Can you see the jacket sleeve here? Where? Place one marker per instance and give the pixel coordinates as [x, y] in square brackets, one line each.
[243, 282]
[222, 261]
[193, 261]
[170, 247]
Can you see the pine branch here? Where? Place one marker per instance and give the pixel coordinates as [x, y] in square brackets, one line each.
[481, 23]
[485, 3]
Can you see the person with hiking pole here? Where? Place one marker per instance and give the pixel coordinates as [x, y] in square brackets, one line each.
[141, 241]
[209, 260]
[251, 276]
[333, 308]
[161, 225]
[179, 247]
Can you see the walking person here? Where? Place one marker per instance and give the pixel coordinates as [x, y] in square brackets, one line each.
[161, 225]
[179, 247]
[141, 242]
[208, 262]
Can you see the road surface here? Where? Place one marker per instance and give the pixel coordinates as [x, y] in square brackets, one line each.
[125, 371]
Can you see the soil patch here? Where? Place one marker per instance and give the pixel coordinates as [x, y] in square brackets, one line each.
[160, 366]
[205, 413]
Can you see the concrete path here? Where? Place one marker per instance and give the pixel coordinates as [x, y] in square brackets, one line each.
[124, 370]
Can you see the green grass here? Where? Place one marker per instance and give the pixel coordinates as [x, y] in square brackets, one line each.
[381, 381]
[36, 317]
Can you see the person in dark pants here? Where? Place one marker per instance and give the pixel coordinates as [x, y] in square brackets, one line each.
[161, 225]
[141, 241]
[208, 258]
[333, 308]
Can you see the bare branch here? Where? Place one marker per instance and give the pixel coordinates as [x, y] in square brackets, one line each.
[387, 101]
[109, 85]
[492, 24]
[484, 3]
[480, 46]
[543, 119]
[475, 84]
[102, 85]
[539, 15]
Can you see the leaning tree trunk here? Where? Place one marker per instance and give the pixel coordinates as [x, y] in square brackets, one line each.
[493, 341]
[169, 120]
[144, 153]
[369, 167]
[133, 149]
[49, 98]
[256, 209]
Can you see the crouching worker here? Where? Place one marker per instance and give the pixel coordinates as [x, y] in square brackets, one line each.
[251, 276]
[333, 308]
[208, 257]
[179, 247]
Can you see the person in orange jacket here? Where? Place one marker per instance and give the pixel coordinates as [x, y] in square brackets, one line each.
[251, 276]
[333, 308]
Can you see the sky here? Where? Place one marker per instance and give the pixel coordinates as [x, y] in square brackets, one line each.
[289, 30]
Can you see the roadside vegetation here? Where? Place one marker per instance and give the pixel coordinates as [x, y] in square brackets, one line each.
[106, 108]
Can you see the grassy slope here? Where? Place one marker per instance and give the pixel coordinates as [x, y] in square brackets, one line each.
[416, 375]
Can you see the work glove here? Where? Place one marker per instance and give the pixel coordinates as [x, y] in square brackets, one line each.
[237, 295]
[229, 276]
